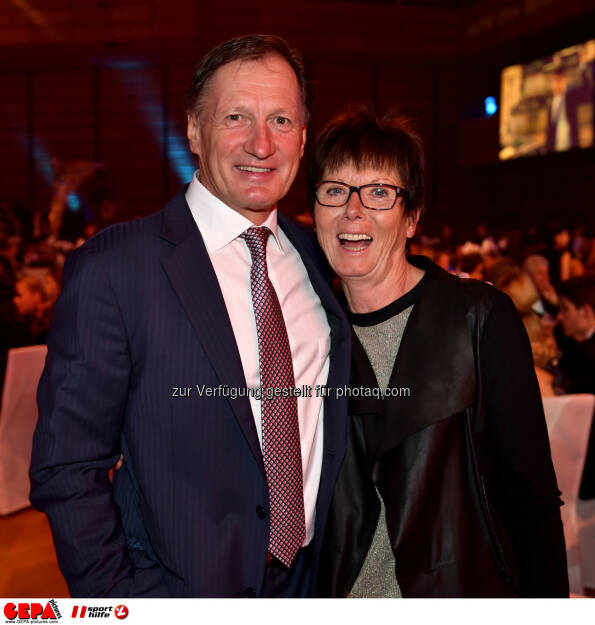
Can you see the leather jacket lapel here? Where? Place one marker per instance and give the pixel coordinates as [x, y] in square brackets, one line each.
[435, 363]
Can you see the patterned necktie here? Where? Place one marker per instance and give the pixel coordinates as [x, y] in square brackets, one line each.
[280, 428]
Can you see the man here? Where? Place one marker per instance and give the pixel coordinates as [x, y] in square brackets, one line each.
[563, 132]
[13, 331]
[32, 302]
[162, 326]
[538, 268]
[577, 318]
[562, 127]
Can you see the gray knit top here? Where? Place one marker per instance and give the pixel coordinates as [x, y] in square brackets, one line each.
[381, 338]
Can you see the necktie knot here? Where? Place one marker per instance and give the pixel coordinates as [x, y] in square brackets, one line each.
[256, 240]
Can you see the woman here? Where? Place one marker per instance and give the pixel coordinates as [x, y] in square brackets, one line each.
[520, 288]
[447, 479]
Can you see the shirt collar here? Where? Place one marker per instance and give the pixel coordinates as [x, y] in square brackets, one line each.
[219, 224]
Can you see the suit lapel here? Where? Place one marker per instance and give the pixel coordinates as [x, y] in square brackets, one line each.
[193, 278]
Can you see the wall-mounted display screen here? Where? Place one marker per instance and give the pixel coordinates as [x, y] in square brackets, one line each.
[547, 105]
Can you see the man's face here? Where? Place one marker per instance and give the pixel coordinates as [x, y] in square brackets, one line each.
[575, 321]
[249, 134]
[26, 301]
[541, 277]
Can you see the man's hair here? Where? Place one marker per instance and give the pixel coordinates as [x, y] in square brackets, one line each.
[579, 291]
[360, 138]
[246, 48]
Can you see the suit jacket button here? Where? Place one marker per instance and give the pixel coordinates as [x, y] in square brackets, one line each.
[261, 513]
[250, 592]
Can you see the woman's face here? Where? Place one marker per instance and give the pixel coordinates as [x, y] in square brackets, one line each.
[362, 243]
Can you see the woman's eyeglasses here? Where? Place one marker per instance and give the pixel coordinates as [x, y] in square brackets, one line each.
[378, 196]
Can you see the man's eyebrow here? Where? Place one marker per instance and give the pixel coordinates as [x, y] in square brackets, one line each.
[285, 112]
[240, 108]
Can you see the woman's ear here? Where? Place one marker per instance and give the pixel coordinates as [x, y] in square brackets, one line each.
[412, 220]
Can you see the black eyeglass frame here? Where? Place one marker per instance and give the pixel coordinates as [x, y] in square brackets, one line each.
[400, 192]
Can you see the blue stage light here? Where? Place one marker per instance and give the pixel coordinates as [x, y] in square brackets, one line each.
[179, 155]
[146, 92]
[43, 161]
[490, 106]
[74, 202]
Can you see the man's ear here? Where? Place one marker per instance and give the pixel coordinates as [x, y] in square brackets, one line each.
[304, 135]
[193, 133]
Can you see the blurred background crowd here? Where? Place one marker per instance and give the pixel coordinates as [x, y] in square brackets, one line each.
[548, 271]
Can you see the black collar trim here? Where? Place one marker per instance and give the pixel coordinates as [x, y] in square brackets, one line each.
[390, 310]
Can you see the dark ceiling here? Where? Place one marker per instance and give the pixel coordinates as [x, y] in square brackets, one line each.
[434, 4]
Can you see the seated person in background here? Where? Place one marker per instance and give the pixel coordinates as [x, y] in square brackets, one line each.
[577, 318]
[490, 255]
[499, 270]
[538, 269]
[471, 264]
[563, 264]
[518, 286]
[442, 259]
[32, 302]
[590, 260]
[10, 248]
[521, 290]
[545, 353]
[13, 332]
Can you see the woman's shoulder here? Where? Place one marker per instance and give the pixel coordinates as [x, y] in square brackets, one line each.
[479, 290]
[447, 287]
[478, 297]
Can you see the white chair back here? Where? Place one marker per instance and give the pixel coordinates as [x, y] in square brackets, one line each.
[568, 419]
[18, 417]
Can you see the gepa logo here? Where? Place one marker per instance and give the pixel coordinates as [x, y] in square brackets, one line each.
[33, 612]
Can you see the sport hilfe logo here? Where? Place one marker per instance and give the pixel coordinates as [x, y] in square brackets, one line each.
[83, 611]
[121, 611]
[34, 612]
[93, 611]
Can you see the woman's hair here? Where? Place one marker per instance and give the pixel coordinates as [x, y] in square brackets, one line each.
[501, 271]
[359, 137]
[543, 343]
[521, 291]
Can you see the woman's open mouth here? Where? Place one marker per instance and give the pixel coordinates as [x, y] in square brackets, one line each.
[354, 242]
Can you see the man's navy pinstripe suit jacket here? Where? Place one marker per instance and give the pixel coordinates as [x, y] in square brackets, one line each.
[141, 312]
